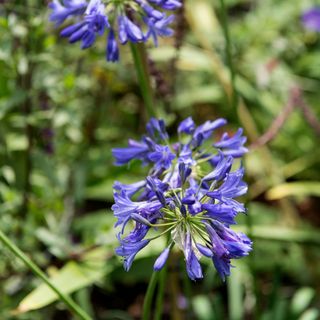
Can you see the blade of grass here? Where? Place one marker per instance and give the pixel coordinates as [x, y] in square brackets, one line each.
[38, 272]
[228, 50]
[273, 233]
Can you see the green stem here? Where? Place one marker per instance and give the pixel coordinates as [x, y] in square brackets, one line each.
[147, 304]
[174, 288]
[160, 293]
[140, 61]
[188, 292]
[225, 27]
[36, 270]
[235, 296]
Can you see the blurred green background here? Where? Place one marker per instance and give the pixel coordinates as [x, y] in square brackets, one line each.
[63, 109]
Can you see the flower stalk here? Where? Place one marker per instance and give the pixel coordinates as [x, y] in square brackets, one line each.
[160, 293]
[76, 309]
[140, 62]
[147, 304]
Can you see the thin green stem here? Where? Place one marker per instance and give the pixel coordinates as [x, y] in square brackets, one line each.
[147, 304]
[199, 231]
[38, 272]
[160, 293]
[140, 61]
[162, 233]
[206, 159]
[235, 296]
[188, 292]
[225, 27]
[162, 224]
[174, 288]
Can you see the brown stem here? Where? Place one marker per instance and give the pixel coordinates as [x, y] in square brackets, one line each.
[309, 115]
[180, 31]
[279, 121]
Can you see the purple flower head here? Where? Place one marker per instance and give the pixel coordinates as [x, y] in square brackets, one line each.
[311, 19]
[193, 265]
[222, 265]
[232, 146]
[136, 21]
[129, 30]
[129, 189]
[94, 23]
[185, 195]
[162, 157]
[232, 187]
[135, 150]
[185, 155]
[221, 212]
[187, 126]
[157, 130]
[190, 197]
[128, 250]
[124, 207]
[204, 131]
[205, 251]
[69, 8]
[184, 172]
[222, 168]
[150, 11]
[138, 233]
[167, 4]
[161, 260]
[158, 188]
[158, 28]
[112, 47]
[236, 245]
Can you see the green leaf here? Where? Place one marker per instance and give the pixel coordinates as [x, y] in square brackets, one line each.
[6, 104]
[301, 300]
[310, 314]
[274, 233]
[72, 277]
[104, 190]
[16, 142]
[203, 94]
[304, 188]
[203, 17]
[189, 58]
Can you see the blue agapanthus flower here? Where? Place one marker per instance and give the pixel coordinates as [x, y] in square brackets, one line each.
[311, 19]
[190, 193]
[122, 21]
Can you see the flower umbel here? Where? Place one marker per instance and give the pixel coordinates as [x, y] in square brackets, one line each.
[189, 194]
[311, 19]
[124, 21]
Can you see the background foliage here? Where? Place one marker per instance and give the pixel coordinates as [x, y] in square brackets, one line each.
[63, 109]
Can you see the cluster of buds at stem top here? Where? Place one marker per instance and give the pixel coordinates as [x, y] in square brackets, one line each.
[188, 196]
[123, 20]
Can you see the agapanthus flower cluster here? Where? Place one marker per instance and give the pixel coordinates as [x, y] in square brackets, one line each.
[187, 197]
[122, 20]
[311, 19]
